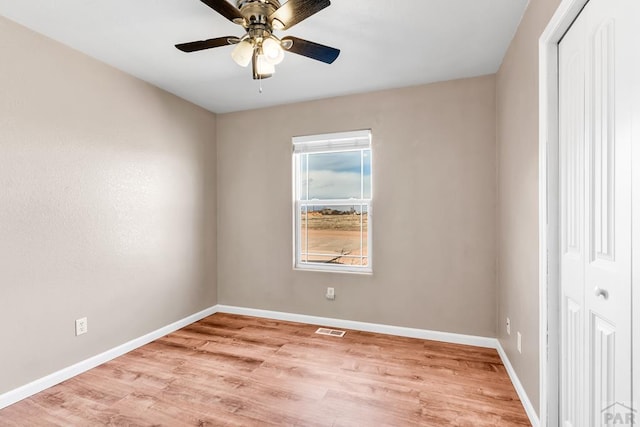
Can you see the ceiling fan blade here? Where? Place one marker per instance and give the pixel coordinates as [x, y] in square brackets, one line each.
[312, 50]
[295, 11]
[206, 44]
[226, 9]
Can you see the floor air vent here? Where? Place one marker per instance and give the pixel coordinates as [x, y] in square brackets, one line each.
[330, 332]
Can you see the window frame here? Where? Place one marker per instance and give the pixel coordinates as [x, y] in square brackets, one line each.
[354, 141]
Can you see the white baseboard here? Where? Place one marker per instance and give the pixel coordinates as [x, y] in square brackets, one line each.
[41, 384]
[522, 394]
[363, 326]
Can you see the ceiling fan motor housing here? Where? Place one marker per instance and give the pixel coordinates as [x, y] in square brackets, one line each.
[257, 12]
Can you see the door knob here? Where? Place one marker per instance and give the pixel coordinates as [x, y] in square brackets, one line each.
[602, 293]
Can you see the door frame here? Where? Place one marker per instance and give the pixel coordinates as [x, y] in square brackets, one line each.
[549, 213]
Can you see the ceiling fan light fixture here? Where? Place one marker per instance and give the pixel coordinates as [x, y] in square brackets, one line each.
[242, 53]
[263, 66]
[272, 51]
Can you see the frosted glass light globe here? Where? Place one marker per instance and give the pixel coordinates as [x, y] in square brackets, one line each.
[242, 53]
[272, 51]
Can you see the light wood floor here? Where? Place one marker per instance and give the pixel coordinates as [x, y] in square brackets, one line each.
[236, 370]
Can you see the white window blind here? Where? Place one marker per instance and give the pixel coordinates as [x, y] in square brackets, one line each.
[332, 142]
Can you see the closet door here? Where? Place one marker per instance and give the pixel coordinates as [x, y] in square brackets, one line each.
[610, 49]
[596, 78]
[572, 225]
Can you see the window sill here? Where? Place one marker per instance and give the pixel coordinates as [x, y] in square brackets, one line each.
[326, 269]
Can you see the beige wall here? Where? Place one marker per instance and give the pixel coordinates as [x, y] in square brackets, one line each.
[433, 218]
[517, 219]
[107, 207]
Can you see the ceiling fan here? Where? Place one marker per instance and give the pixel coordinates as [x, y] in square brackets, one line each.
[259, 46]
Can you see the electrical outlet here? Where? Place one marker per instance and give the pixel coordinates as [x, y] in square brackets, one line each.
[331, 294]
[519, 343]
[81, 326]
[508, 326]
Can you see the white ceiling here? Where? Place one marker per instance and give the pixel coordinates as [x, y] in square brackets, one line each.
[384, 44]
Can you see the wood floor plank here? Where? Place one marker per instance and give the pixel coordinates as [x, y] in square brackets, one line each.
[229, 370]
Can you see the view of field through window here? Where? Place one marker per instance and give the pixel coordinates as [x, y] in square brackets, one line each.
[334, 192]
[334, 234]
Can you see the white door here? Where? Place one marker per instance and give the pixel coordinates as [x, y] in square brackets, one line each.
[596, 77]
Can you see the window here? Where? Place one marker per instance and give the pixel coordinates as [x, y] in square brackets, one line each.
[332, 191]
